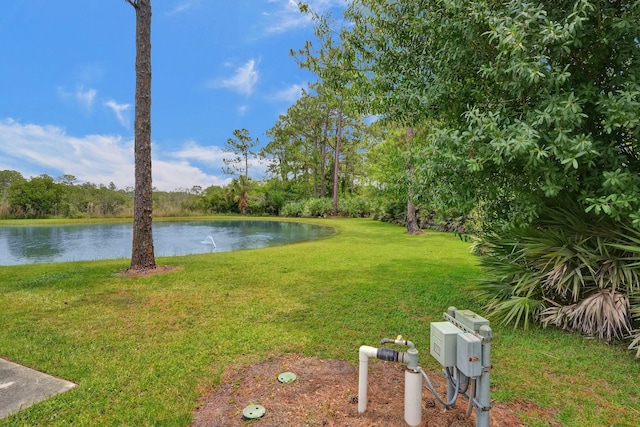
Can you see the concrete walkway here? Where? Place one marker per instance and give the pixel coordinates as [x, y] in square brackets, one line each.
[21, 387]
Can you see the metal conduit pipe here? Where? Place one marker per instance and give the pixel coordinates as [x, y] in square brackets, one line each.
[483, 382]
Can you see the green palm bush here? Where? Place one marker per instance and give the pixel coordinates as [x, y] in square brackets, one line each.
[570, 269]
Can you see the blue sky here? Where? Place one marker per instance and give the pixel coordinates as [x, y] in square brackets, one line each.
[67, 84]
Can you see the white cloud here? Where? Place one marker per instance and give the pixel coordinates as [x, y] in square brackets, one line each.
[258, 168]
[93, 158]
[213, 156]
[192, 151]
[119, 110]
[100, 159]
[243, 81]
[290, 94]
[179, 8]
[85, 97]
[288, 16]
[170, 175]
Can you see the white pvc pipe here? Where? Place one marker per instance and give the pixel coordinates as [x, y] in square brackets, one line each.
[364, 354]
[412, 397]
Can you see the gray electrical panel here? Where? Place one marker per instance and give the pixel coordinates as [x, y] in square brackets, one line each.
[469, 354]
[443, 342]
[470, 319]
[462, 344]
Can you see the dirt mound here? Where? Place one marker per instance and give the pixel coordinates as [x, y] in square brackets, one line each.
[325, 393]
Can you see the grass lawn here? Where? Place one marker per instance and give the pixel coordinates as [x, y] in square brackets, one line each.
[142, 350]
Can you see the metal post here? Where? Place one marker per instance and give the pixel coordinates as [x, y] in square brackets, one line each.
[451, 311]
[483, 405]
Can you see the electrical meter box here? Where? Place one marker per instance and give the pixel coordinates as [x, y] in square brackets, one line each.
[469, 354]
[470, 319]
[443, 342]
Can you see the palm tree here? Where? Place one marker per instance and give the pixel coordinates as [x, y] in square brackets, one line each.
[241, 188]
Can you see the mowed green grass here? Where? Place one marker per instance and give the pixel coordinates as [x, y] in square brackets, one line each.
[143, 350]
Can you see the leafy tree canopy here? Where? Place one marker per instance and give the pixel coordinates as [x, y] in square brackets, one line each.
[39, 196]
[531, 100]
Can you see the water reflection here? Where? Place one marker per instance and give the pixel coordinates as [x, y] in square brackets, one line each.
[28, 243]
[38, 244]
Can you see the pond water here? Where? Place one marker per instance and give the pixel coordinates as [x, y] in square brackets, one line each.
[39, 244]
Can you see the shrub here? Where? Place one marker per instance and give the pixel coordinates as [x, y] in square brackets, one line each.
[317, 207]
[570, 269]
[292, 209]
[391, 211]
[354, 207]
[308, 208]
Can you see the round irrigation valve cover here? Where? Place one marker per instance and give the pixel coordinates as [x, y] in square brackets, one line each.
[253, 412]
[287, 377]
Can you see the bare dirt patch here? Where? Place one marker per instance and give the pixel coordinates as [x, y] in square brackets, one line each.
[325, 394]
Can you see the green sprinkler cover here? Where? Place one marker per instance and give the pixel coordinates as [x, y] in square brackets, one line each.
[253, 412]
[287, 377]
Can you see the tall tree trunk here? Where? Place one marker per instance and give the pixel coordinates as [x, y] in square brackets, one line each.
[412, 218]
[142, 253]
[283, 172]
[336, 164]
[316, 178]
[323, 158]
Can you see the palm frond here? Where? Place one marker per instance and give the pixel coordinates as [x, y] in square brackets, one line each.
[635, 343]
[570, 269]
[521, 311]
[604, 314]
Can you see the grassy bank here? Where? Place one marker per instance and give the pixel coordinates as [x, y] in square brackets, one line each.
[142, 350]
